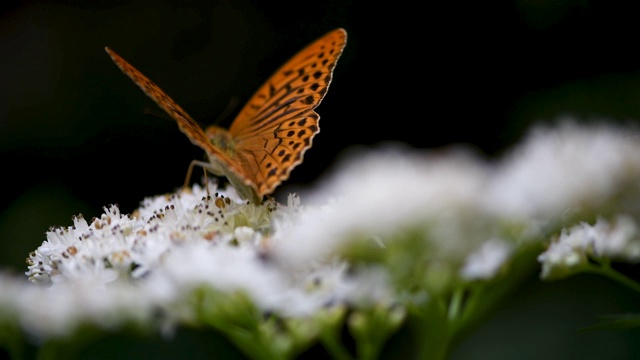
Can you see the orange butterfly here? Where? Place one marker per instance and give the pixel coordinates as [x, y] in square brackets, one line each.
[273, 130]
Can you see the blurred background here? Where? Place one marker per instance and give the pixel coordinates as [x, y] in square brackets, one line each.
[76, 134]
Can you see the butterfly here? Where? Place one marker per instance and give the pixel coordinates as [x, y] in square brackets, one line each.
[271, 133]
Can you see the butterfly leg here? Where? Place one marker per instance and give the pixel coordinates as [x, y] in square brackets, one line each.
[203, 164]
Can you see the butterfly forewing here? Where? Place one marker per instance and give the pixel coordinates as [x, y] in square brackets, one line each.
[186, 123]
[278, 123]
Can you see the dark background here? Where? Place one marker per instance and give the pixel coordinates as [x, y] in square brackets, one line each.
[77, 135]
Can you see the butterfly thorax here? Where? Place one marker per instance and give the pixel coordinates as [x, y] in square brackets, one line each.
[221, 139]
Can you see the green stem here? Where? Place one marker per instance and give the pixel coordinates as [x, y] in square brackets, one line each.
[472, 305]
[482, 298]
[606, 270]
[431, 331]
[455, 304]
[252, 344]
[334, 346]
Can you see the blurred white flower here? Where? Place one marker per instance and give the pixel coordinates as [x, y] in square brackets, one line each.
[384, 192]
[454, 200]
[558, 168]
[567, 253]
[617, 240]
[487, 260]
[59, 310]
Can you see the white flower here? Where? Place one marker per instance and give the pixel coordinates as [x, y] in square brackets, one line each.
[382, 193]
[563, 167]
[116, 269]
[225, 268]
[174, 243]
[619, 240]
[59, 310]
[487, 261]
[95, 251]
[455, 201]
[116, 246]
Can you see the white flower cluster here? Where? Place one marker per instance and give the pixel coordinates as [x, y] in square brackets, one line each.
[119, 247]
[567, 167]
[419, 213]
[471, 213]
[578, 245]
[119, 268]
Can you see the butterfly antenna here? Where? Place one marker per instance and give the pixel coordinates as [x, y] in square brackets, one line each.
[231, 106]
[156, 114]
